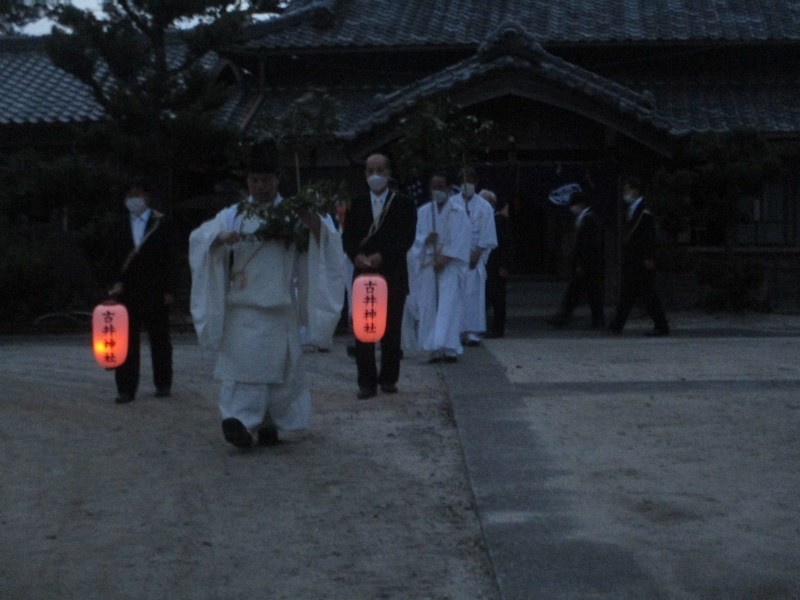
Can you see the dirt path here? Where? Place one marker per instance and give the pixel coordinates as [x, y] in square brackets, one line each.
[147, 501]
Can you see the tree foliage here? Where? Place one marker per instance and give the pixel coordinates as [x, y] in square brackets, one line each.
[715, 172]
[153, 80]
[438, 135]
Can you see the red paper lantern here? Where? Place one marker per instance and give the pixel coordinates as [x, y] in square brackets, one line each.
[370, 297]
[110, 334]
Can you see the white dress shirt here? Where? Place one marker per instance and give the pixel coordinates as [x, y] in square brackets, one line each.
[138, 225]
[378, 201]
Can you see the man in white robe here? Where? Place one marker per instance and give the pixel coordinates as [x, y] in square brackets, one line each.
[243, 304]
[483, 240]
[438, 261]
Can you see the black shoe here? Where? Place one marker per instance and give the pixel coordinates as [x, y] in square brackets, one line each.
[268, 436]
[364, 393]
[163, 393]
[124, 398]
[472, 343]
[236, 433]
[558, 321]
[450, 359]
[615, 329]
[351, 351]
[388, 388]
[435, 359]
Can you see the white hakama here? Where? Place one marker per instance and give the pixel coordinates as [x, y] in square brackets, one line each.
[436, 298]
[248, 312]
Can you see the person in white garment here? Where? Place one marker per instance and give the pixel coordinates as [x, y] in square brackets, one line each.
[483, 238]
[437, 263]
[243, 304]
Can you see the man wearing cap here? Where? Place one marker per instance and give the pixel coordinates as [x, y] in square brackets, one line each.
[244, 305]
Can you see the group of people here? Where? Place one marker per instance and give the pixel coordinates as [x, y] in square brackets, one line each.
[459, 261]
[638, 263]
[251, 295]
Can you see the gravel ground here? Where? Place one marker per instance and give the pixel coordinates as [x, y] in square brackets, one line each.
[146, 500]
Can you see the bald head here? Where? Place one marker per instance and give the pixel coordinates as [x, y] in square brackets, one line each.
[377, 172]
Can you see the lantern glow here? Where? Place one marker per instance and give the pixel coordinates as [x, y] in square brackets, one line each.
[110, 334]
[370, 298]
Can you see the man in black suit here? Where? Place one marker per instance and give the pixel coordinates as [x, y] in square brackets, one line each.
[379, 230]
[140, 271]
[638, 261]
[587, 265]
[498, 266]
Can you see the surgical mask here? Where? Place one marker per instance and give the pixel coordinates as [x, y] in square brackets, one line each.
[377, 183]
[439, 196]
[468, 190]
[136, 205]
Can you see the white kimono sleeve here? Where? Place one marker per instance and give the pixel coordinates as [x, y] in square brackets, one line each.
[326, 286]
[209, 281]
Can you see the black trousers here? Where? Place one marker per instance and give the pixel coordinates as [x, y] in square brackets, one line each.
[589, 286]
[496, 301]
[156, 322]
[368, 376]
[639, 283]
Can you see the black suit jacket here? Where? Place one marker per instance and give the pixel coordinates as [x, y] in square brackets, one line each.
[392, 239]
[500, 257]
[589, 246]
[152, 271]
[639, 241]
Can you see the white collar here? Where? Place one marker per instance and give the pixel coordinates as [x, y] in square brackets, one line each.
[145, 216]
[633, 206]
[379, 197]
[581, 216]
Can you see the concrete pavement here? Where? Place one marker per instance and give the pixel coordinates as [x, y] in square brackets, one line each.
[634, 467]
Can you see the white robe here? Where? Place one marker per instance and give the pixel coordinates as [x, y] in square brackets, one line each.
[483, 235]
[436, 299]
[254, 326]
[320, 305]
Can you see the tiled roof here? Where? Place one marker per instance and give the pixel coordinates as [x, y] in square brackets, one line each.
[34, 90]
[699, 104]
[694, 102]
[374, 23]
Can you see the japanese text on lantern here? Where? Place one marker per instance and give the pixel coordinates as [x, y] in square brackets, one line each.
[108, 336]
[369, 311]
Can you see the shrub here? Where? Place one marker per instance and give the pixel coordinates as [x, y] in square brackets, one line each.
[731, 284]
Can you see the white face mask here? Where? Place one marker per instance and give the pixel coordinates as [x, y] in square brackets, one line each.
[377, 183]
[468, 190]
[136, 205]
[439, 196]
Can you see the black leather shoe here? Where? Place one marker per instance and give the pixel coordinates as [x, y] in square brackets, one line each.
[364, 393]
[236, 433]
[124, 398]
[268, 436]
[162, 393]
[388, 388]
[450, 359]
